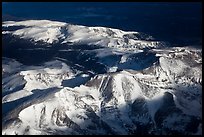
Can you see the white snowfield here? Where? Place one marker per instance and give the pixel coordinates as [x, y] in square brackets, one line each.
[53, 32]
[37, 77]
[165, 97]
[107, 98]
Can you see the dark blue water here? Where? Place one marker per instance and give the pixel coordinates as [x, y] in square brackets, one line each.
[177, 23]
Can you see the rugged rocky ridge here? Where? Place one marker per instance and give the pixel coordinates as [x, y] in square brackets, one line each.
[155, 91]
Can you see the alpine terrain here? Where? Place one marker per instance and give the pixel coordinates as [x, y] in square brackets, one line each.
[61, 78]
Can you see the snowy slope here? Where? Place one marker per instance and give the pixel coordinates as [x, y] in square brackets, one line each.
[143, 89]
[52, 32]
[125, 102]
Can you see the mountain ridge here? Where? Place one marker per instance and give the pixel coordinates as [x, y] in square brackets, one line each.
[147, 90]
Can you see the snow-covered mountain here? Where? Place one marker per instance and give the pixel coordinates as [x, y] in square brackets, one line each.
[145, 87]
[53, 31]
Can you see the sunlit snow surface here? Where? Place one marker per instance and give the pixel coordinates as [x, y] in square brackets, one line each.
[146, 88]
[52, 31]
